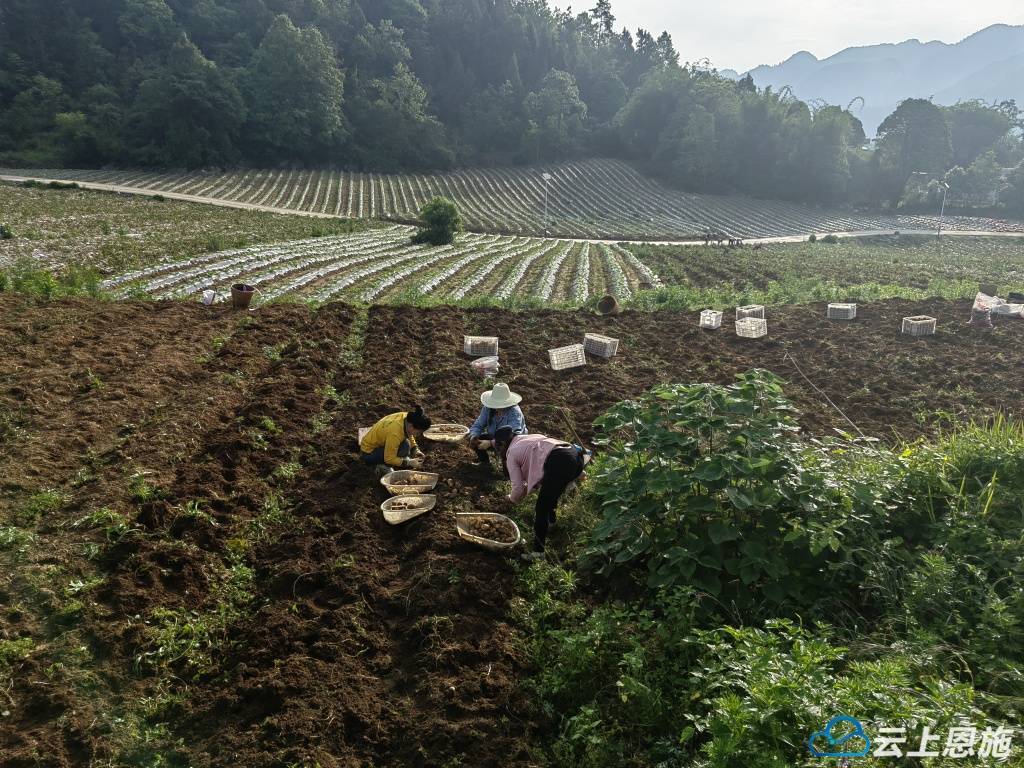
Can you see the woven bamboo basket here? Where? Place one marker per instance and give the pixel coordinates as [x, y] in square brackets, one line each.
[401, 509]
[397, 482]
[464, 522]
[446, 433]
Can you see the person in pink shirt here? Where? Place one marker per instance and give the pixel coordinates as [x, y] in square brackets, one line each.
[543, 464]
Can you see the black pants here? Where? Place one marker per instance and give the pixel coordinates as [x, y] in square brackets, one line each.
[376, 456]
[562, 466]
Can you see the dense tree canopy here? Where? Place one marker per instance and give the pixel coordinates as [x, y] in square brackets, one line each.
[425, 84]
[295, 92]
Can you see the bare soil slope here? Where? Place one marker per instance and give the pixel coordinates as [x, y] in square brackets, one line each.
[355, 643]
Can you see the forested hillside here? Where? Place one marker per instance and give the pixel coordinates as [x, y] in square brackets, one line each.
[390, 85]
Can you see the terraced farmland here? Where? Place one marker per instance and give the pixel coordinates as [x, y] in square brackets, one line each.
[601, 199]
[381, 265]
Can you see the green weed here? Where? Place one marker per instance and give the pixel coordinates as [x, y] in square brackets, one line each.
[273, 518]
[321, 422]
[287, 471]
[12, 651]
[29, 278]
[193, 510]
[193, 639]
[113, 524]
[141, 491]
[15, 539]
[352, 350]
[39, 505]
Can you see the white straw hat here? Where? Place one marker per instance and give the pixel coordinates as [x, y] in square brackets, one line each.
[500, 397]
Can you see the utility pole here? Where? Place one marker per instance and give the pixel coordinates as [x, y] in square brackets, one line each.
[942, 210]
[547, 178]
[945, 191]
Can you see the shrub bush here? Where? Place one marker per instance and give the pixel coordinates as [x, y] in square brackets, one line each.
[6, 233]
[705, 485]
[440, 222]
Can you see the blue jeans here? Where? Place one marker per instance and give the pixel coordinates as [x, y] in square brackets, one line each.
[376, 456]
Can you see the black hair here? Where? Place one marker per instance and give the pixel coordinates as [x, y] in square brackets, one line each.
[417, 419]
[504, 435]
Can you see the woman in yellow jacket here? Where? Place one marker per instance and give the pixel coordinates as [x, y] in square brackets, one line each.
[392, 440]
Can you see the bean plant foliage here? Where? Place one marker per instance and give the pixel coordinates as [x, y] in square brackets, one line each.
[706, 485]
[783, 579]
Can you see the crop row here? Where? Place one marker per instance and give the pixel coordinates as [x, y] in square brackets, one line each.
[590, 199]
[383, 265]
[905, 261]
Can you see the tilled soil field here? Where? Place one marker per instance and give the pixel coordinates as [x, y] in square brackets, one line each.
[195, 562]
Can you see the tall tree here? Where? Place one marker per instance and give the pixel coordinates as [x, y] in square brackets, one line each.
[913, 139]
[295, 92]
[602, 13]
[188, 113]
[556, 115]
[394, 127]
[975, 127]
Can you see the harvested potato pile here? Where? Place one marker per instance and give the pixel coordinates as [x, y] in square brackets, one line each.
[487, 528]
[447, 429]
[412, 480]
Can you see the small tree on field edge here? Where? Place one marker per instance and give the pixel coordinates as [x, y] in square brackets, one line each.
[440, 222]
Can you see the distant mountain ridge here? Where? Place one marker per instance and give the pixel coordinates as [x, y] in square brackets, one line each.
[988, 65]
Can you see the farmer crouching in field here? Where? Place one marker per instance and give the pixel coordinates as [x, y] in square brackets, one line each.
[391, 442]
[501, 409]
[537, 462]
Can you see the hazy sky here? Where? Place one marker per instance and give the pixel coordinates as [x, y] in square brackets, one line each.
[740, 34]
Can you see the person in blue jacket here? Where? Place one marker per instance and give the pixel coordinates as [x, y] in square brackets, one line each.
[501, 409]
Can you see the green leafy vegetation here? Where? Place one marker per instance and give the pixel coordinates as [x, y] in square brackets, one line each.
[13, 651]
[743, 585]
[141, 490]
